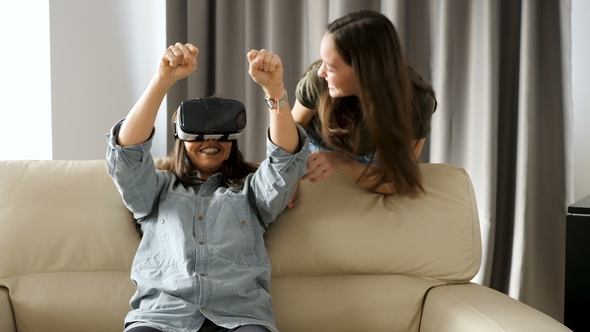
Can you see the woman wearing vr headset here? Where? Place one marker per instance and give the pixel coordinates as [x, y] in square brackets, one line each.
[366, 111]
[201, 264]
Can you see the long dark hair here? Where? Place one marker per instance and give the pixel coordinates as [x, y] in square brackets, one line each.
[234, 169]
[368, 42]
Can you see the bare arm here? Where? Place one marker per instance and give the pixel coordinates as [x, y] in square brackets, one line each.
[177, 62]
[266, 69]
[301, 114]
[322, 164]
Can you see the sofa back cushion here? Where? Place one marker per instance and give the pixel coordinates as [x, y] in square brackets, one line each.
[345, 259]
[66, 246]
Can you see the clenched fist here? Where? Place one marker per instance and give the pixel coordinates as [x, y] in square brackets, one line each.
[266, 69]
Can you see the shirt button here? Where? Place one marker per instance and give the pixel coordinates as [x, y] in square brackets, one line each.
[202, 274]
[201, 242]
[203, 309]
[162, 221]
[244, 222]
[200, 217]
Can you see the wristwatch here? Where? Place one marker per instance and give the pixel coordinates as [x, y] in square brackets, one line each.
[271, 103]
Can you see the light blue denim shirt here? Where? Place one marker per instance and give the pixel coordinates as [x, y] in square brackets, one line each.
[202, 253]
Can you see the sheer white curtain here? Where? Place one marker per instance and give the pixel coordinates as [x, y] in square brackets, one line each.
[501, 71]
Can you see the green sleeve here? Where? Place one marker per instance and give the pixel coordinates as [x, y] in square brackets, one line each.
[310, 87]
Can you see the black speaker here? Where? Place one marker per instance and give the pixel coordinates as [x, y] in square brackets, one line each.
[577, 266]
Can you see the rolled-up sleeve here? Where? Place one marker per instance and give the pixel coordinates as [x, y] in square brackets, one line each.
[133, 171]
[275, 180]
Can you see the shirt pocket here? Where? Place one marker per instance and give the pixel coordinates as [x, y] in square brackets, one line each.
[168, 241]
[234, 230]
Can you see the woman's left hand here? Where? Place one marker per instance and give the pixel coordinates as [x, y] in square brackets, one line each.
[266, 69]
[321, 164]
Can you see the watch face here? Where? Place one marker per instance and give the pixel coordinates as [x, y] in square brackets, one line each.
[269, 103]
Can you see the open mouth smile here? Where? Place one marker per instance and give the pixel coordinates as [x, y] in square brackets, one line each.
[210, 150]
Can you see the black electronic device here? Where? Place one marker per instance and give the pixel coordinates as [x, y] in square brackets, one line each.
[210, 118]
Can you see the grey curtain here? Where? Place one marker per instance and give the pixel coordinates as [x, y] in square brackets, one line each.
[501, 71]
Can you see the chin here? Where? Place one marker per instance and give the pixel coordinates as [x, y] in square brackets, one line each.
[335, 94]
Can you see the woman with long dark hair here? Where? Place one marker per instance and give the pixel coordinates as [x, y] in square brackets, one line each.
[366, 111]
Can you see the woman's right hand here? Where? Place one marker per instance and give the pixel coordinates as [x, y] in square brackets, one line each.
[321, 164]
[178, 61]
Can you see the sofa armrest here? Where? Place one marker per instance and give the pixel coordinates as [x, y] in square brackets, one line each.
[472, 307]
[6, 313]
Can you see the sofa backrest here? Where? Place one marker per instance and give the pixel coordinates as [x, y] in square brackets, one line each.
[66, 246]
[343, 259]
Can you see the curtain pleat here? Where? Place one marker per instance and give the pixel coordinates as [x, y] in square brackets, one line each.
[501, 72]
[508, 87]
[538, 271]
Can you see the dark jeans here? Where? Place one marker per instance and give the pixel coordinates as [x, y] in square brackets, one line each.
[208, 326]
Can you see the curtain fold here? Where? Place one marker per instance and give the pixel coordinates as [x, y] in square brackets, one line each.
[501, 71]
[541, 191]
[508, 86]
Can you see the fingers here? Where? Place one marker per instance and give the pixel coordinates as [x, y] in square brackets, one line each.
[263, 60]
[251, 55]
[291, 202]
[192, 49]
[317, 174]
[319, 167]
[181, 55]
[266, 69]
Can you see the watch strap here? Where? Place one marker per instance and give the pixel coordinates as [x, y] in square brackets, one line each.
[272, 104]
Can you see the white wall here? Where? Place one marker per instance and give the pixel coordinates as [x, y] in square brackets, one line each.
[25, 93]
[581, 96]
[71, 69]
[103, 54]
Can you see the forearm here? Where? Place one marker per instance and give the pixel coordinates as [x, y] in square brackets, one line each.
[386, 188]
[356, 171]
[139, 123]
[283, 131]
[301, 114]
[266, 69]
[177, 62]
[369, 182]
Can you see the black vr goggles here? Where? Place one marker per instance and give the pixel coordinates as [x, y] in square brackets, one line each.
[210, 118]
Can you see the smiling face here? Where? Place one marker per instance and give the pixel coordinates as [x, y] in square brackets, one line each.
[338, 74]
[208, 156]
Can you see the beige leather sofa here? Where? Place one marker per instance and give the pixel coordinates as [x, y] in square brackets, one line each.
[343, 260]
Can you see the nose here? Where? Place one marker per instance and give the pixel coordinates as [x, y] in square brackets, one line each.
[322, 70]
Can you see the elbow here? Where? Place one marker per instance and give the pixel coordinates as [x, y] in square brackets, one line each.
[385, 189]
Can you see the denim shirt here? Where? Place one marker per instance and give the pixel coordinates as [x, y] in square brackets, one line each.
[202, 254]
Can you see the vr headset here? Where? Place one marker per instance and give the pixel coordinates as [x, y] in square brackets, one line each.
[210, 118]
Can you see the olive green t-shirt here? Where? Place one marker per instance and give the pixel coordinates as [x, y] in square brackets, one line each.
[311, 86]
